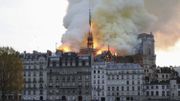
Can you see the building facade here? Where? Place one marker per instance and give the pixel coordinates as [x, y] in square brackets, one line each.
[99, 81]
[117, 82]
[165, 73]
[69, 77]
[35, 76]
[163, 90]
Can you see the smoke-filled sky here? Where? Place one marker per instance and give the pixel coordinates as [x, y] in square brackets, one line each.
[38, 25]
[116, 23]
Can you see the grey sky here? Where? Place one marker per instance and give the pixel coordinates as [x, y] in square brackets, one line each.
[31, 24]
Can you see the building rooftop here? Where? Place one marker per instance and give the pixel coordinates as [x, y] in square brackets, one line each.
[34, 55]
[165, 70]
[124, 66]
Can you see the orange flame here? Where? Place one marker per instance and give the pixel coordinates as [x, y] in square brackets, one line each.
[101, 50]
[65, 48]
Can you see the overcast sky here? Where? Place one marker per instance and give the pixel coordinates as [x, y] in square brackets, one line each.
[29, 25]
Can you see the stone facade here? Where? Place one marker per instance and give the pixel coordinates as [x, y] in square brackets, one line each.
[165, 73]
[35, 76]
[69, 77]
[163, 90]
[99, 81]
[117, 82]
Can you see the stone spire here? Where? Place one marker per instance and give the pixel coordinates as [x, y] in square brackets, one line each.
[90, 36]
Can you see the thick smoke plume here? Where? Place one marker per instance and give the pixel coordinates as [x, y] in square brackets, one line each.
[116, 23]
[167, 26]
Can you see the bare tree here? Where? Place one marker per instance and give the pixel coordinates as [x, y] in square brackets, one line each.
[11, 73]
